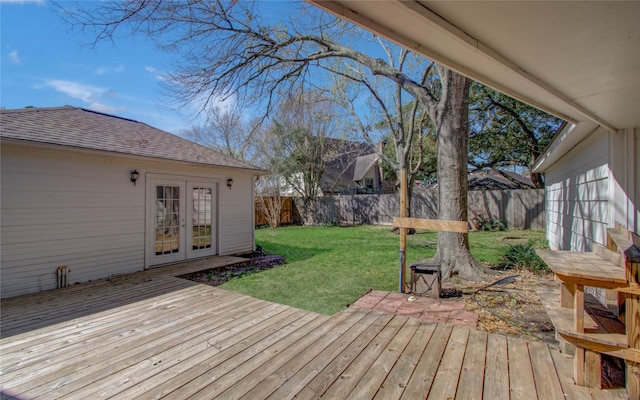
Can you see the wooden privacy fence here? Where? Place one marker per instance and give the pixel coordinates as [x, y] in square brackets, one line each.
[286, 212]
[517, 209]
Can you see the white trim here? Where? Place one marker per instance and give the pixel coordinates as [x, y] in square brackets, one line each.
[151, 258]
[563, 142]
[213, 219]
[186, 214]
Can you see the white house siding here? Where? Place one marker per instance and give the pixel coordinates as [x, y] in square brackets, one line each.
[236, 225]
[578, 195]
[61, 207]
[593, 187]
[624, 170]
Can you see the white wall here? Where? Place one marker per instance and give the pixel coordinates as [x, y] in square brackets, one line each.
[62, 209]
[577, 189]
[236, 215]
[593, 187]
[624, 168]
[72, 208]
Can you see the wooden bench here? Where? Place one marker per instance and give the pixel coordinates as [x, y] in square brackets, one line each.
[586, 326]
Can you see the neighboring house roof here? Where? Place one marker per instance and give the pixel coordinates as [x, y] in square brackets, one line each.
[345, 163]
[86, 129]
[490, 180]
[363, 165]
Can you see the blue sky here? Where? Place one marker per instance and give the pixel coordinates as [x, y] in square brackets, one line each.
[44, 63]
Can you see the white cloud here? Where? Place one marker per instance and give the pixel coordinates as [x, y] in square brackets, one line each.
[93, 96]
[14, 58]
[158, 75]
[86, 93]
[103, 108]
[105, 70]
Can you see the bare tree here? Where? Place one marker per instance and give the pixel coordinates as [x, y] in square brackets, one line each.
[225, 129]
[302, 124]
[269, 199]
[227, 49]
[406, 122]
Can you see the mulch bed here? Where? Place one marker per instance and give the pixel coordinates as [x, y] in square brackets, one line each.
[259, 261]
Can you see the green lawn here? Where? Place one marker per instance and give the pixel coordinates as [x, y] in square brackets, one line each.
[328, 268]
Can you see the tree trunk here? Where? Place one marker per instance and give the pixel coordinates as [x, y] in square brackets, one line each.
[536, 178]
[452, 126]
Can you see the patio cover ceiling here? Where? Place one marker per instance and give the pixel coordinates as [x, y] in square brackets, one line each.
[577, 60]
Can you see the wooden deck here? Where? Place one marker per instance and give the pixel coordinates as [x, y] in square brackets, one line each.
[152, 335]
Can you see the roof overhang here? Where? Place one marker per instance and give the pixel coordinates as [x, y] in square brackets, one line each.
[578, 60]
[57, 148]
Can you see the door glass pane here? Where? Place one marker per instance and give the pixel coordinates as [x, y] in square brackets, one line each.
[167, 220]
[201, 221]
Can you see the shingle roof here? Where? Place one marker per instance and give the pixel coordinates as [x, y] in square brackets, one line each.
[346, 162]
[81, 128]
[363, 166]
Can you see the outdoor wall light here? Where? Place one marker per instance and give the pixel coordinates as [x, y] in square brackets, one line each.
[229, 183]
[134, 176]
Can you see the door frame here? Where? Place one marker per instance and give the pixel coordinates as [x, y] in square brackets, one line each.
[185, 183]
[191, 184]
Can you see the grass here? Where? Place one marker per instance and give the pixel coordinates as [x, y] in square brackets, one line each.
[330, 267]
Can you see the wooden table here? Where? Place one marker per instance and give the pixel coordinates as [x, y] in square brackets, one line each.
[575, 270]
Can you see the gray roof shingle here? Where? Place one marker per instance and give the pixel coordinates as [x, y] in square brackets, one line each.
[82, 128]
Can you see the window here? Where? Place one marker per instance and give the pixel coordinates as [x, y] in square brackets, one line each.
[368, 183]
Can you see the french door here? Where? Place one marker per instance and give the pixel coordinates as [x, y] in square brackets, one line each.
[181, 220]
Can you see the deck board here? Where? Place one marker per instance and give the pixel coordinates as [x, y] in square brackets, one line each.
[292, 377]
[422, 378]
[398, 378]
[331, 371]
[544, 373]
[473, 367]
[349, 379]
[292, 356]
[153, 335]
[521, 381]
[496, 376]
[446, 380]
[49, 365]
[376, 374]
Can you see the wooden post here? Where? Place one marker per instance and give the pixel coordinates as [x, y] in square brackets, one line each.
[578, 325]
[567, 291]
[403, 231]
[632, 319]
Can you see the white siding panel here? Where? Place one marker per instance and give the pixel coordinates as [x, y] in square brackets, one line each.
[67, 209]
[63, 231]
[236, 216]
[578, 197]
[625, 176]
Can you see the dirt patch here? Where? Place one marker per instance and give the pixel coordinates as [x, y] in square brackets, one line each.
[512, 308]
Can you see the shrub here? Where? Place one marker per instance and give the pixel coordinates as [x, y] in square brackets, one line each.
[524, 256]
[489, 225]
